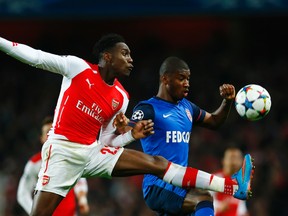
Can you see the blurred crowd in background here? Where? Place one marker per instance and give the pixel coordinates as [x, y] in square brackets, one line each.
[237, 49]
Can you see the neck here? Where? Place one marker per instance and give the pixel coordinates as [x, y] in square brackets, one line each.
[107, 76]
[165, 96]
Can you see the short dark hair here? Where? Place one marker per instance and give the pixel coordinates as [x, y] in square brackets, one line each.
[173, 64]
[105, 43]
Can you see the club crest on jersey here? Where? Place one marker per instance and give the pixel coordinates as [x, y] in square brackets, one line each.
[45, 180]
[115, 104]
[188, 114]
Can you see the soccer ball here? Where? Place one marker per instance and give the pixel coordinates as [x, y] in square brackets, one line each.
[253, 102]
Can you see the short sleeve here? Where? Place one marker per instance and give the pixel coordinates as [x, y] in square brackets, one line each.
[198, 113]
[142, 111]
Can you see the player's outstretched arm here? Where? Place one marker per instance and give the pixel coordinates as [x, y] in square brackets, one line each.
[21, 52]
[34, 57]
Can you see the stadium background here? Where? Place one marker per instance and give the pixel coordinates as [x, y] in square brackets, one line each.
[237, 42]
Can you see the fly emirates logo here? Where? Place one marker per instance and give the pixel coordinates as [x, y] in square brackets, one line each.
[177, 137]
[93, 111]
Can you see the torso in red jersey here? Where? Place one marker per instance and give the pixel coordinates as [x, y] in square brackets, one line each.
[236, 206]
[85, 103]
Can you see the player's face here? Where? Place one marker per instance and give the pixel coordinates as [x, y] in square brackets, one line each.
[232, 160]
[121, 61]
[178, 84]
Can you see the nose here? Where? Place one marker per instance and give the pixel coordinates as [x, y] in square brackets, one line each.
[130, 60]
[186, 83]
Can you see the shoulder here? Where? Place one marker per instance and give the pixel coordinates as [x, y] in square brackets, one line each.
[120, 88]
[36, 157]
[144, 106]
[143, 111]
[188, 103]
[75, 65]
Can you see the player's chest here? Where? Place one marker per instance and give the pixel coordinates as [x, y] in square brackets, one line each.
[174, 118]
[89, 90]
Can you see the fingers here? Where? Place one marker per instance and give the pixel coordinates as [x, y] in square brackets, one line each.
[120, 119]
[227, 91]
[148, 127]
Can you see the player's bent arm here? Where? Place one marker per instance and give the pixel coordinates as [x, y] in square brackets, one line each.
[110, 138]
[67, 66]
[26, 187]
[140, 130]
[217, 118]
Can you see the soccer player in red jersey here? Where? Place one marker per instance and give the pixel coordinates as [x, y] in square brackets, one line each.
[227, 205]
[90, 98]
[27, 183]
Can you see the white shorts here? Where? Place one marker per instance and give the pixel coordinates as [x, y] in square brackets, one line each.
[64, 162]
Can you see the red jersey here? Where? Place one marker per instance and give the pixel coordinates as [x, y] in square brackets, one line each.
[86, 103]
[236, 207]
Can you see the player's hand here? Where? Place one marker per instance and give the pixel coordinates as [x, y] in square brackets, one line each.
[120, 122]
[227, 91]
[143, 129]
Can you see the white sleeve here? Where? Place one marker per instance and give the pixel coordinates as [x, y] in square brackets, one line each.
[110, 138]
[81, 186]
[122, 140]
[26, 186]
[43, 60]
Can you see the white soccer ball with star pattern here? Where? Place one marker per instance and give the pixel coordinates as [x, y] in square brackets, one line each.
[253, 102]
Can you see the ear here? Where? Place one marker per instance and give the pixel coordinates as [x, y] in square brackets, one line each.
[107, 56]
[164, 78]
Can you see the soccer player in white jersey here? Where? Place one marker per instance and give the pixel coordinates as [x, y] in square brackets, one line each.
[90, 98]
[76, 198]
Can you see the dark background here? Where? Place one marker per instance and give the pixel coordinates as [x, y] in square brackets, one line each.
[222, 41]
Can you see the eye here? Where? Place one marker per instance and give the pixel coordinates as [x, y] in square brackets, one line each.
[125, 53]
[182, 78]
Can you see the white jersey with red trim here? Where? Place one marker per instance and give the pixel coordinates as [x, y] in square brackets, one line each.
[85, 102]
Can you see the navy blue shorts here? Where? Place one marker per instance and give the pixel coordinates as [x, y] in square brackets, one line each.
[165, 202]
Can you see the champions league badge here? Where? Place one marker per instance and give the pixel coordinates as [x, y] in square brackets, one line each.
[138, 115]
